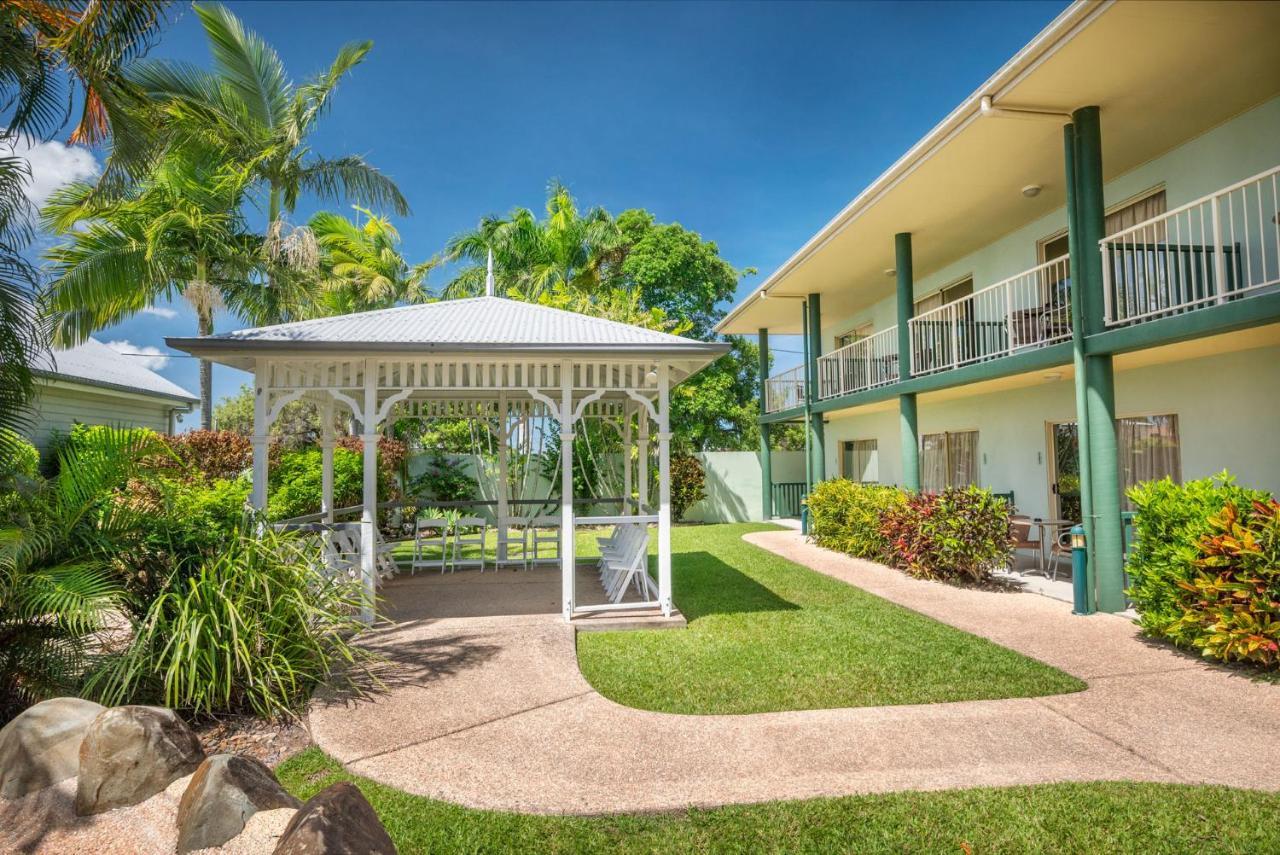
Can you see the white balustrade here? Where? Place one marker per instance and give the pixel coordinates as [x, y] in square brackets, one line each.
[863, 364]
[785, 391]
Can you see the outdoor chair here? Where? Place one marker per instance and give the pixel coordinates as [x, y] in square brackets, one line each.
[513, 532]
[544, 532]
[1060, 548]
[624, 560]
[469, 531]
[430, 532]
[1022, 539]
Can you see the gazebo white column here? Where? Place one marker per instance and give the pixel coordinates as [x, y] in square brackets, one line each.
[664, 489]
[503, 485]
[567, 558]
[642, 464]
[261, 440]
[327, 443]
[369, 517]
[626, 459]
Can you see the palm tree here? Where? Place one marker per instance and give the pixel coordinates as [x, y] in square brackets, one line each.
[56, 580]
[50, 51]
[362, 266]
[248, 105]
[180, 232]
[566, 250]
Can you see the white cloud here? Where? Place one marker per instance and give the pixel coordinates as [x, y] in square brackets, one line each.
[161, 312]
[53, 165]
[146, 355]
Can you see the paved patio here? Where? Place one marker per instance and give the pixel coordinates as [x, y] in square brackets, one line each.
[489, 710]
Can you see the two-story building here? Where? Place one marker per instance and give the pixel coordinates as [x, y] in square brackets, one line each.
[1069, 286]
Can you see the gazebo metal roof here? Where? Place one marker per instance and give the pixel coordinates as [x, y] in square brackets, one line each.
[475, 325]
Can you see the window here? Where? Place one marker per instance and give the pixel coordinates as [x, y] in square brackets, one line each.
[1130, 213]
[944, 295]
[948, 460]
[858, 333]
[860, 461]
[1149, 451]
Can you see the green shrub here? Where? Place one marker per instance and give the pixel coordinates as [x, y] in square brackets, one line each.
[688, 484]
[960, 533]
[19, 457]
[255, 629]
[1171, 519]
[444, 479]
[846, 516]
[1231, 609]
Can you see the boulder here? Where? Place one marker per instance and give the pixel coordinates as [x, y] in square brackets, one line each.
[41, 746]
[130, 754]
[224, 792]
[335, 821]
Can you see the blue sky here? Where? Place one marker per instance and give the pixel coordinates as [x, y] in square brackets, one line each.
[751, 123]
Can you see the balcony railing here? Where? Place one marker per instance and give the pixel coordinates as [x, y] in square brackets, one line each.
[1030, 310]
[784, 391]
[863, 364]
[1219, 248]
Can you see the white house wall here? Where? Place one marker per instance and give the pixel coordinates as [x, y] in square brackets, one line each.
[58, 408]
[1226, 406]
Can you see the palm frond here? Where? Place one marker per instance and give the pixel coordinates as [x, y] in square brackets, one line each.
[352, 178]
[247, 63]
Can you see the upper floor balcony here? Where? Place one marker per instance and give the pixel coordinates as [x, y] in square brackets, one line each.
[1219, 248]
[785, 391]
[863, 364]
[1030, 310]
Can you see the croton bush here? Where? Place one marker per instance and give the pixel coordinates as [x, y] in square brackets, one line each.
[1204, 570]
[960, 533]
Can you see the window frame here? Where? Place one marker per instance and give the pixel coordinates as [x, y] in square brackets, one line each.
[977, 456]
[942, 289]
[844, 446]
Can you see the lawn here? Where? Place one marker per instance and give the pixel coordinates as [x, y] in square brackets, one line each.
[1098, 817]
[767, 634]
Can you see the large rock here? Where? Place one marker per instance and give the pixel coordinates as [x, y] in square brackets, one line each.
[335, 821]
[41, 746]
[224, 792]
[130, 754]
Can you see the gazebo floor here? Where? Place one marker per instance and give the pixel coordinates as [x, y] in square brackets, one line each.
[465, 593]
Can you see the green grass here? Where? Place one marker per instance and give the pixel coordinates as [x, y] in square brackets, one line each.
[767, 634]
[1068, 818]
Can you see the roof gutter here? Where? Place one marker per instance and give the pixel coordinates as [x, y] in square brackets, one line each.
[1061, 30]
[197, 346]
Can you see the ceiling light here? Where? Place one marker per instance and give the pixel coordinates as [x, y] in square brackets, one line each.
[889, 271]
[1053, 376]
[1031, 190]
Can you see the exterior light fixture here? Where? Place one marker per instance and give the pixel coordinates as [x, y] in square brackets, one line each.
[1031, 190]
[651, 377]
[1077, 537]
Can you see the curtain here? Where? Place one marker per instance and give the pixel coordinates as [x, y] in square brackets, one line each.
[948, 460]
[861, 461]
[1149, 451]
[1139, 211]
[962, 450]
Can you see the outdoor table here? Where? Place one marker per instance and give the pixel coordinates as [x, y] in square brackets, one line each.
[1047, 529]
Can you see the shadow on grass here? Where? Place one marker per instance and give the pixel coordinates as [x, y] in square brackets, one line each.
[705, 585]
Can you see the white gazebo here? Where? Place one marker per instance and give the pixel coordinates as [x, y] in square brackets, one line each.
[488, 355]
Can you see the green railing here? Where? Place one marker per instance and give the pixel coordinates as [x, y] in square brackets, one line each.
[788, 497]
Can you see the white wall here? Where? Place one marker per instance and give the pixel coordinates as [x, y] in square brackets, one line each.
[734, 483]
[57, 408]
[1243, 146]
[1227, 408]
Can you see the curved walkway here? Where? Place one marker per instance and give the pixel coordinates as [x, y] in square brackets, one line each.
[492, 712]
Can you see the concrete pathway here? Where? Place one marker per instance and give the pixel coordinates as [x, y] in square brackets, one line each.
[491, 711]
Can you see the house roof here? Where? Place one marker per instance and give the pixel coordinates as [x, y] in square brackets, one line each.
[95, 364]
[476, 324]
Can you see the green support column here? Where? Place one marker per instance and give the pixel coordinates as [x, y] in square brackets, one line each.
[1106, 559]
[906, 403]
[1090, 599]
[766, 453]
[813, 332]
